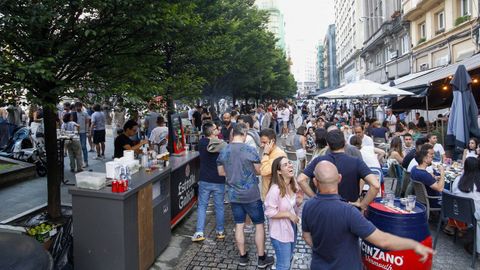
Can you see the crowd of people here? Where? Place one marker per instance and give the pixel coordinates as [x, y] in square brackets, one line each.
[247, 161]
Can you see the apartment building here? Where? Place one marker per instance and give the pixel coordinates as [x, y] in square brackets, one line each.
[276, 20]
[442, 32]
[349, 39]
[386, 46]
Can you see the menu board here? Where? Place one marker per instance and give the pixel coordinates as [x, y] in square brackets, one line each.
[176, 142]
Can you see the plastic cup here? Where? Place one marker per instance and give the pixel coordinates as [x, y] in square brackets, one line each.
[411, 199]
[389, 198]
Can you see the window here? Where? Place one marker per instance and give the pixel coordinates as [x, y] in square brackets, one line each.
[405, 44]
[422, 30]
[464, 7]
[441, 20]
[378, 59]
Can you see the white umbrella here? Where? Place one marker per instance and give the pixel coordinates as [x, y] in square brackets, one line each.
[364, 89]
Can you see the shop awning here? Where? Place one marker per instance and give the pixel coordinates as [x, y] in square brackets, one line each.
[409, 77]
[419, 84]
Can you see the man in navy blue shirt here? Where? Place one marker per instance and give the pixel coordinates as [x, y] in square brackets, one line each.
[210, 183]
[419, 173]
[352, 170]
[331, 227]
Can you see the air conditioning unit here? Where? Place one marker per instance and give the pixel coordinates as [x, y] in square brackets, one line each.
[424, 67]
[393, 54]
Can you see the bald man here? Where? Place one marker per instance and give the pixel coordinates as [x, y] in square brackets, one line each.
[227, 127]
[331, 227]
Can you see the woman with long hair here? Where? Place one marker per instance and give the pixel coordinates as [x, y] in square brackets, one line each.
[310, 139]
[395, 152]
[320, 142]
[282, 207]
[468, 185]
[471, 150]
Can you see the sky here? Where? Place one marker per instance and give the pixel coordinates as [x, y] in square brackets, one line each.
[307, 19]
[306, 25]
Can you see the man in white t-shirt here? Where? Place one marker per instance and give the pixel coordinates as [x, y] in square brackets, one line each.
[159, 136]
[392, 121]
[414, 162]
[439, 152]
[359, 132]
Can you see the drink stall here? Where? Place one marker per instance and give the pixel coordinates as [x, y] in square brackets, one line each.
[124, 221]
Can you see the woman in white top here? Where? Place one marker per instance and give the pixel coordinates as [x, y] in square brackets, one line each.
[368, 152]
[468, 185]
[471, 150]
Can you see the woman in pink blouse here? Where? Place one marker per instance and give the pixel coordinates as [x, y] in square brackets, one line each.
[282, 206]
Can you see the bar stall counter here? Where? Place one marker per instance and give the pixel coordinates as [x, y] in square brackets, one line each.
[129, 230]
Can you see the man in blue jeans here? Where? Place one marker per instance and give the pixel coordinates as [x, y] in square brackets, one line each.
[240, 163]
[82, 119]
[210, 182]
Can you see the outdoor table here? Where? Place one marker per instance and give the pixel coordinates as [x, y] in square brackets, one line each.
[398, 221]
[451, 173]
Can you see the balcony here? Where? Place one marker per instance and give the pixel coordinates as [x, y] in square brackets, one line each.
[412, 9]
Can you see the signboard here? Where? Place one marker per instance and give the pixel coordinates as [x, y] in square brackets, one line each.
[176, 142]
[182, 189]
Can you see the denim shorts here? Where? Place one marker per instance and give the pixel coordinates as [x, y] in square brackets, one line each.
[254, 210]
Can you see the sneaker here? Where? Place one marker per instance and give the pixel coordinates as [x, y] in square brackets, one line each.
[265, 262]
[220, 235]
[249, 229]
[97, 158]
[85, 165]
[243, 260]
[198, 237]
[72, 170]
[91, 151]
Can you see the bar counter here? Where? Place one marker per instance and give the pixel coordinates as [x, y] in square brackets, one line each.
[129, 230]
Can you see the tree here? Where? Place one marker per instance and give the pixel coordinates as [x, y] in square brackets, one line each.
[57, 48]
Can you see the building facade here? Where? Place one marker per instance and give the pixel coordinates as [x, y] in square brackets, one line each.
[386, 46]
[442, 32]
[349, 39]
[276, 20]
[330, 59]
[320, 67]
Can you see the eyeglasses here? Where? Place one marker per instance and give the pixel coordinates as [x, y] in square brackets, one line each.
[286, 163]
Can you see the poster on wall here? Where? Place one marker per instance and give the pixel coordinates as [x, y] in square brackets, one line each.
[176, 141]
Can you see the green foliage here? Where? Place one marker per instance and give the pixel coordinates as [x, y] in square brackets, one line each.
[462, 19]
[420, 41]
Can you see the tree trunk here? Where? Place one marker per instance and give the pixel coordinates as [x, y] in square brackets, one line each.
[53, 176]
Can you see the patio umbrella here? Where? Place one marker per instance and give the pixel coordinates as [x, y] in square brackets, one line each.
[364, 89]
[462, 122]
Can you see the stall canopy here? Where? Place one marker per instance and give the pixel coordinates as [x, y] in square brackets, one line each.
[323, 91]
[432, 88]
[364, 89]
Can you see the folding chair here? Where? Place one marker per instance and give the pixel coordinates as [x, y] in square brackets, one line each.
[461, 209]
[423, 197]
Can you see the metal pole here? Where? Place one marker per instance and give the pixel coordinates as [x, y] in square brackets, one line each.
[428, 118]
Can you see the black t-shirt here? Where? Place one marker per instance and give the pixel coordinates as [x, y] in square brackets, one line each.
[352, 170]
[120, 142]
[197, 119]
[208, 164]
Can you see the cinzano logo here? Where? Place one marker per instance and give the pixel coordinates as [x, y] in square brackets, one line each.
[379, 255]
